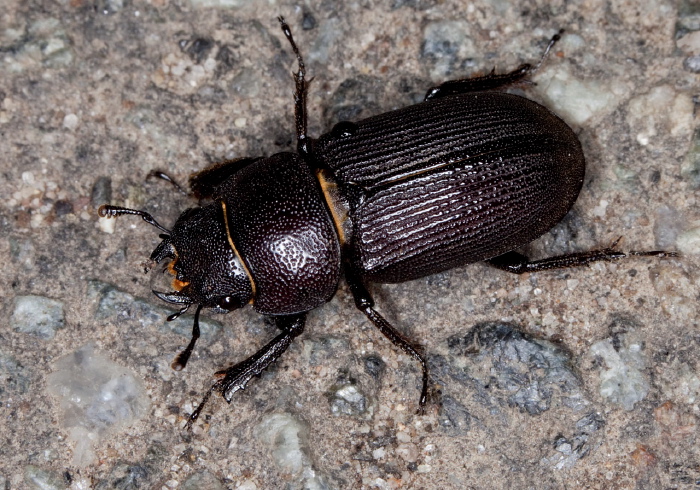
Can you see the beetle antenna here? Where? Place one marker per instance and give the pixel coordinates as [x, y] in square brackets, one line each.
[299, 92]
[181, 360]
[107, 211]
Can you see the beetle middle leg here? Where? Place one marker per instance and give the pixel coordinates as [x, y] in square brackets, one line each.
[365, 303]
[519, 264]
[237, 376]
[491, 81]
[299, 92]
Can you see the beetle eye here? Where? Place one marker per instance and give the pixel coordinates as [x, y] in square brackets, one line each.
[230, 303]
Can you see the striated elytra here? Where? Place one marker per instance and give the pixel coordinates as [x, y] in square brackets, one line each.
[468, 175]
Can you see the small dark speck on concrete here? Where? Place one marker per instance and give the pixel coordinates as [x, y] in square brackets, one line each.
[101, 191]
[63, 208]
[655, 176]
[226, 57]
[692, 64]
[374, 366]
[308, 21]
[198, 48]
[382, 441]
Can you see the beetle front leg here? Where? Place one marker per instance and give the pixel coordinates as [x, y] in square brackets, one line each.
[365, 303]
[203, 184]
[491, 81]
[237, 376]
[519, 264]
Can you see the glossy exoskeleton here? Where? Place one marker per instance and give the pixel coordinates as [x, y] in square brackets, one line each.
[468, 175]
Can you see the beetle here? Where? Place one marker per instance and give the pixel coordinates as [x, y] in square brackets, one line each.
[470, 174]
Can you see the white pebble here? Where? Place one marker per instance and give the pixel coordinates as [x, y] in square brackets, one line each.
[70, 121]
[107, 225]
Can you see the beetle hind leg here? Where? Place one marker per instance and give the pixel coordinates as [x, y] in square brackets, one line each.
[519, 264]
[493, 80]
[237, 376]
[365, 303]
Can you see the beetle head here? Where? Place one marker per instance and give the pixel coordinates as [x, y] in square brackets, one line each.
[197, 252]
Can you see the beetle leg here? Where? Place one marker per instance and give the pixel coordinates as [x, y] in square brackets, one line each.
[519, 264]
[203, 184]
[237, 376]
[299, 92]
[492, 80]
[180, 361]
[365, 303]
[163, 176]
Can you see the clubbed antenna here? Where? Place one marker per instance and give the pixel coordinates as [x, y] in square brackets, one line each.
[107, 211]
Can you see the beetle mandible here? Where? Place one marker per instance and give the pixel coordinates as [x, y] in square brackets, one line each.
[470, 174]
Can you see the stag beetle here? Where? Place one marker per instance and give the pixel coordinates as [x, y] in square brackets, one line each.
[468, 175]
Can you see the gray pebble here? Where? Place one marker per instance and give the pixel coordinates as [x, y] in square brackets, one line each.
[38, 315]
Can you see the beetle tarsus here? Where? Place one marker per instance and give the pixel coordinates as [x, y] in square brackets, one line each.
[555, 38]
[195, 415]
[654, 253]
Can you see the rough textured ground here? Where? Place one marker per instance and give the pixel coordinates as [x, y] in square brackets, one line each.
[580, 378]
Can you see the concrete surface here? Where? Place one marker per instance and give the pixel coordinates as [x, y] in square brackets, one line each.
[581, 378]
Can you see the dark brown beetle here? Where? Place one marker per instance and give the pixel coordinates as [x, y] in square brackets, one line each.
[468, 175]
